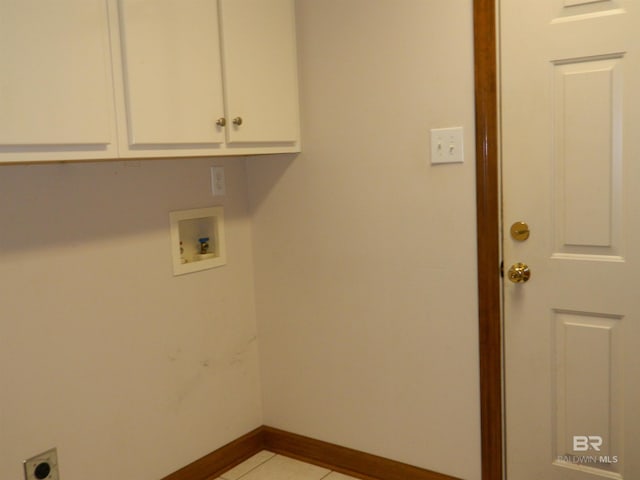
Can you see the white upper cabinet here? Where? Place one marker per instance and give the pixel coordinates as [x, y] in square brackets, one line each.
[171, 73]
[260, 76]
[56, 90]
[88, 79]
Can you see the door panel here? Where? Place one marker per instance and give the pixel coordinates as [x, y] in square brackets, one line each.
[588, 374]
[570, 150]
[587, 121]
[260, 76]
[58, 92]
[172, 74]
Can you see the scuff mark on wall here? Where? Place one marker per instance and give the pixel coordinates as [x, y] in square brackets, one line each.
[174, 355]
[241, 352]
[192, 371]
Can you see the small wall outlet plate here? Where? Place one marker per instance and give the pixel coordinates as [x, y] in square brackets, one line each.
[447, 145]
[218, 187]
[43, 466]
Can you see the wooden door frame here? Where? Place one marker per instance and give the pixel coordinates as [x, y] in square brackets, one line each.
[488, 235]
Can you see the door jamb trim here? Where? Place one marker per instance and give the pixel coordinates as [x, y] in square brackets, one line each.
[488, 237]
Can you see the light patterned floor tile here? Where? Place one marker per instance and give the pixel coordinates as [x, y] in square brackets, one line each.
[245, 467]
[338, 476]
[284, 468]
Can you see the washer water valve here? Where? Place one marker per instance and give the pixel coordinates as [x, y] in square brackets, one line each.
[204, 245]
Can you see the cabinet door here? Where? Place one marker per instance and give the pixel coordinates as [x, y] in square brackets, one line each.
[260, 73]
[56, 92]
[172, 75]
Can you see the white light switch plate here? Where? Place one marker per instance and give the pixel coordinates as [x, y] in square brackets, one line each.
[447, 145]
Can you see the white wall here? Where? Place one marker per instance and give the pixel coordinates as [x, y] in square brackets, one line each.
[365, 258]
[130, 371]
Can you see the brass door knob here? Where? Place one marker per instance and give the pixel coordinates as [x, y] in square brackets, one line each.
[237, 121]
[519, 273]
[221, 122]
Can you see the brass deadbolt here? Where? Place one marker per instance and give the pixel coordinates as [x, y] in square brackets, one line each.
[520, 231]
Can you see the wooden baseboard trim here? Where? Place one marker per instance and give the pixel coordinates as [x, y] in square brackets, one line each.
[343, 459]
[219, 461]
[334, 457]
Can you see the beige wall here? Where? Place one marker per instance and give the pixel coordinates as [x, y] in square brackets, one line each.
[363, 258]
[364, 253]
[130, 371]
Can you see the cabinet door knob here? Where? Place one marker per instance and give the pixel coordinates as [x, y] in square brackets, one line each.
[221, 122]
[237, 121]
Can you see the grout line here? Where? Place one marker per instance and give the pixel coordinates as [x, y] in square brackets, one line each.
[258, 465]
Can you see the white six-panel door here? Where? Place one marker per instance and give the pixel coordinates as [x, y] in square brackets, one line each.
[570, 119]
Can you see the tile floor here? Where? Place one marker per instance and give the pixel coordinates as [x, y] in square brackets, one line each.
[266, 465]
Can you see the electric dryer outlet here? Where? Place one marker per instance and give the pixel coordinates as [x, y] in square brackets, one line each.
[43, 466]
